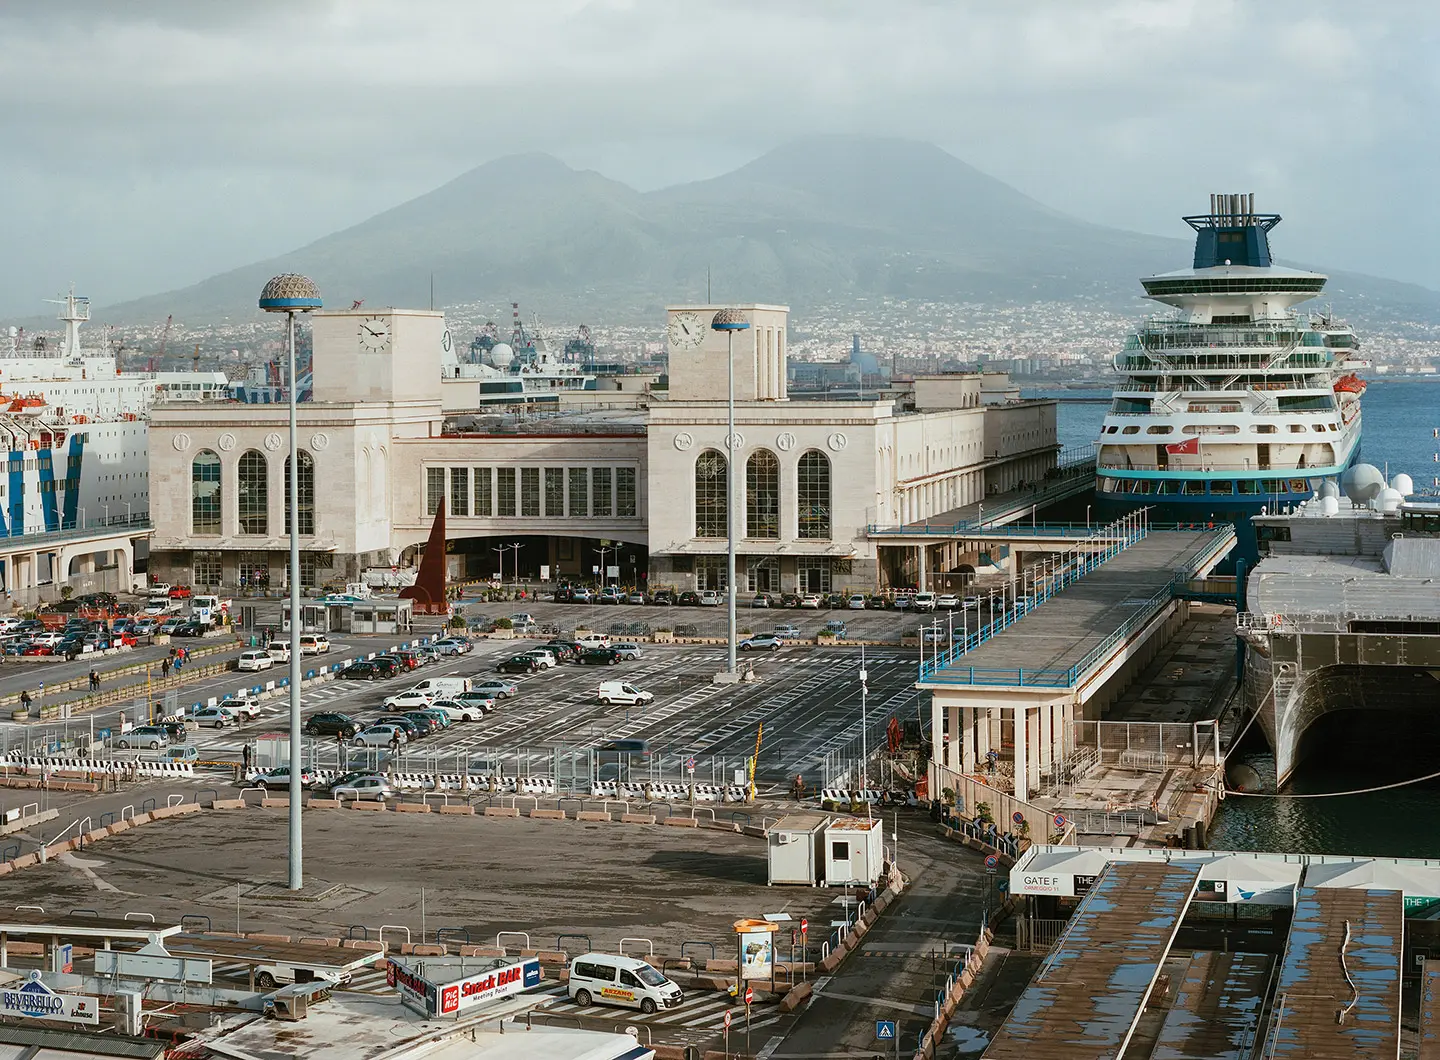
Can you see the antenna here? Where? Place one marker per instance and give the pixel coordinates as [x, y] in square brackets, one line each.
[432, 290]
[707, 286]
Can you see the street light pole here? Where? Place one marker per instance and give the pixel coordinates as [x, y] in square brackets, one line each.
[291, 294]
[864, 736]
[730, 321]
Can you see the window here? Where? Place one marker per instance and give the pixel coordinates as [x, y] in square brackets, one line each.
[482, 478]
[628, 979]
[711, 507]
[579, 492]
[600, 497]
[529, 491]
[305, 486]
[434, 488]
[625, 492]
[309, 564]
[711, 573]
[1159, 429]
[815, 578]
[459, 491]
[555, 491]
[814, 495]
[253, 491]
[840, 851]
[504, 491]
[207, 568]
[762, 495]
[205, 493]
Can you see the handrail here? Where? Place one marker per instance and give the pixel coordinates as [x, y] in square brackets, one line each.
[522, 934]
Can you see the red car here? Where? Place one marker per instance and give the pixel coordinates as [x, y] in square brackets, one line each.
[38, 649]
[180, 592]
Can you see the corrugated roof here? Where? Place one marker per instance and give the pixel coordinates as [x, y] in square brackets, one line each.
[82, 1044]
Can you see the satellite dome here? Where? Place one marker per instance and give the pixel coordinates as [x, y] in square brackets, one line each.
[1328, 488]
[1362, 482]
[1403, 484]
[1389, 500]
[1329, 505]
[501, 354]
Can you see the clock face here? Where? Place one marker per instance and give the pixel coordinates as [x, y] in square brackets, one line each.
[374, 334]
[687, 330]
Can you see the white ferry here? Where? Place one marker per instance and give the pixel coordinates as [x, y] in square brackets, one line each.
[75, 428]
[1236, 403]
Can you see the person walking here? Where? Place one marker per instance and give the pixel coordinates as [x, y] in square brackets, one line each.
[245, 759]
[25, 699]
[797, 789]
[94, 680]
[164, 668]
[340, 762]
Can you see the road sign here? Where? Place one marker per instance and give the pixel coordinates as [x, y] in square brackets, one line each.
[885, 1030]
[749, 994]
[690, 765]
[804, 925]
[1061, 820]
[1018, 817]
[727, 1019]
[1002, 885]
[991, 860]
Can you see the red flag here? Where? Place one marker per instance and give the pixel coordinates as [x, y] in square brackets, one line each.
[1189, 445]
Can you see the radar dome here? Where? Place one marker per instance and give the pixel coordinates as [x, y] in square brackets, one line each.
[1328, 489]
[1389, 500]
[1329, 505]
[1403, 484]
[1362, 483]
[501, 354]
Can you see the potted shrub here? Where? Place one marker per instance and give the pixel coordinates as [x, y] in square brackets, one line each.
[66, 591]
[504, 629]
[20, 714]
[664, 636]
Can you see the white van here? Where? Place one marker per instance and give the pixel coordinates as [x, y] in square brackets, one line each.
[279, 650]
[625, 981]
[255, 659]
[622, 692]
[442, 686]
[593, 640]
[314, 644]
[924, 602]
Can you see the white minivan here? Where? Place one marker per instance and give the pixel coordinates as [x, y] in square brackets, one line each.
[314, 644]
[255, 659]
[625, 981]
[442, 686]
[622, 692]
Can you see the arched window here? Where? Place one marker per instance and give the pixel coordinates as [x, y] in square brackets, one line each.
[253, 491]
[711, 503]
[762, 495]
[205, 492]
[306, 484]
[813, 492]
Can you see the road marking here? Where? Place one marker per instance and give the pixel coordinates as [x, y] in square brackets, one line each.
[84, 867]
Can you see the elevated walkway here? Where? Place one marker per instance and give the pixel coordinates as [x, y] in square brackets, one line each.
[1216, 1014]
[1088, 997]
[1023, 679]
[1338, 996]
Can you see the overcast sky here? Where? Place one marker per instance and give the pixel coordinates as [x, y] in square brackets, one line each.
[149, 143]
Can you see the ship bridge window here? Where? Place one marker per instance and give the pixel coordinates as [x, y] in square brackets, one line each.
[1225, 486]
[1249, 485]
[1193, 486]
[1131, 406]
[1339, 342]
[1163, 428]
[1131, 430]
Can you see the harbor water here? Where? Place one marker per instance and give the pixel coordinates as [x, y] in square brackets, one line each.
[1400, 419]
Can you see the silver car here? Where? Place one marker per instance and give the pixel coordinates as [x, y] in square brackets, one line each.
[627, 650]
[372, 788]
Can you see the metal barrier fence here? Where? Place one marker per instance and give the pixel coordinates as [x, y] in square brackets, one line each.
[1150, 746]
[1037, 936]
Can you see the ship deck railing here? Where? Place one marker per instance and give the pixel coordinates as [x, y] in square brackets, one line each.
[1128, 386]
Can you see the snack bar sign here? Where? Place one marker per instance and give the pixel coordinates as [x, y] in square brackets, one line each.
[453, 997]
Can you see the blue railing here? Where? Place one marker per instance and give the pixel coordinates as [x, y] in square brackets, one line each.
[70, 532]
[1118, 537]
[1071, 676]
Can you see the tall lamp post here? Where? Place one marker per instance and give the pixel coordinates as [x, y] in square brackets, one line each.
[290, 294]
[730, 321]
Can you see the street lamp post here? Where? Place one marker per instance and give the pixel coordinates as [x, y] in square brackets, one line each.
[730, 321]
[291, 294]
[602, 550]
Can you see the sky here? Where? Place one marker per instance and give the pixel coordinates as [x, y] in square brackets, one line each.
[152, 143]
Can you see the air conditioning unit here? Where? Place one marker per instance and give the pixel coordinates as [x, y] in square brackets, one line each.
[289, 1007]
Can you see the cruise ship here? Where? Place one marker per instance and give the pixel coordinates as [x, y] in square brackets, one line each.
[1235, 403]
[75, 428]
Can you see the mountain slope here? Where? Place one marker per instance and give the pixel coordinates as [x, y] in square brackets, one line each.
[822, 219]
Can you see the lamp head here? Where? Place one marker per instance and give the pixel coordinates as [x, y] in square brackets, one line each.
[290, 293]
[729, 320]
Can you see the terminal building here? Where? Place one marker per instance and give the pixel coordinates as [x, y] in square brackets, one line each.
[635, 488]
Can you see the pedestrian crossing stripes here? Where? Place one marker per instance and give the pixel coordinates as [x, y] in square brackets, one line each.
[699, 1017]
[361, 981]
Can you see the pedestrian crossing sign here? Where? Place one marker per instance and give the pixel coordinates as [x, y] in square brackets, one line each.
[885, 1030]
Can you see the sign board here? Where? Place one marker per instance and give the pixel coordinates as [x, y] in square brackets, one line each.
[456, 996]
[152, 966]
[991, 860]
[1061, 820]
[544, 572]
[885, 1030]
[62, 958]
[35, 1000]
[749, 994]
[756, 953]
[1018, 817]
[804, 925]
[612, 571]
[727, 1019]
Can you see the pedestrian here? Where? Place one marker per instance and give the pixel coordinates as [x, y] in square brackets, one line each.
[25, 699]
[797, 790]
[245, 758]
[164, 668]
[94, 680]
[340, 751]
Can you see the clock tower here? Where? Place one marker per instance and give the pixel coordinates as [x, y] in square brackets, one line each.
[696, 352]
[387, 355]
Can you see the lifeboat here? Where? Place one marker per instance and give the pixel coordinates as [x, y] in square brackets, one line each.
[1350, 384]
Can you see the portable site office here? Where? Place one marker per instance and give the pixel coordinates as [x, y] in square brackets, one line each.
[817, 850]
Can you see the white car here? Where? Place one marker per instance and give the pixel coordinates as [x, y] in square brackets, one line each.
[923, 601]
[709, 598]
[246, 705]
[255, 660]
[856, 602]
[544, 656]
[47, 640]
[411, 700]
[810, 600]
[379, 736]
[215, 717]
[593, 640]
[947, 602]
[455, 710]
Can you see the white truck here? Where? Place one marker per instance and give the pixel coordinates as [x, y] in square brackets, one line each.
[442, 686]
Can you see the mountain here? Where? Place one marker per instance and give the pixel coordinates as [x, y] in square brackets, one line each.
[823, 219]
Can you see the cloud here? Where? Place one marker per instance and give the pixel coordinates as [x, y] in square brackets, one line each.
[197, 136]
